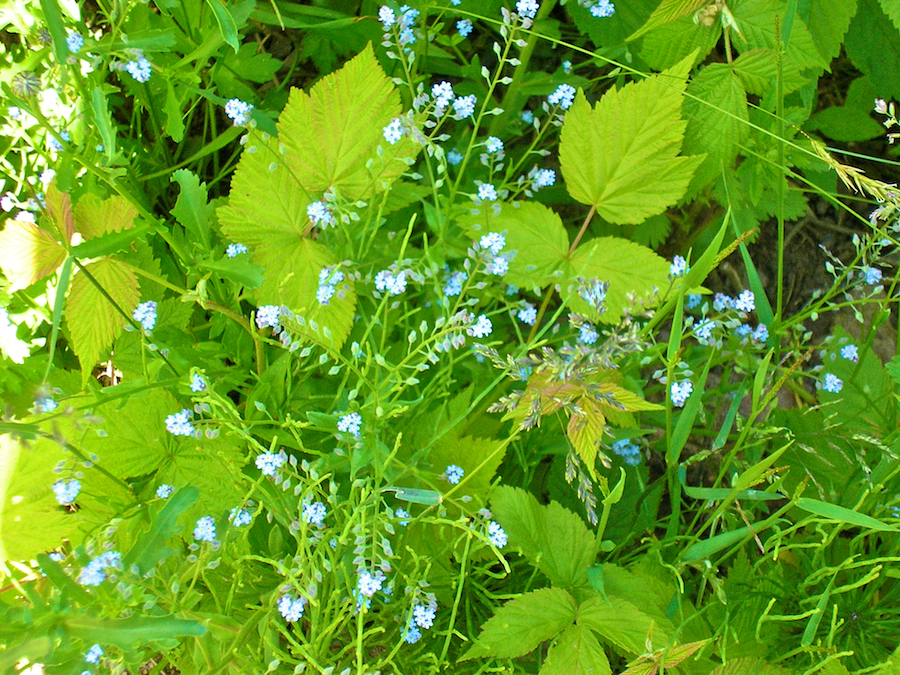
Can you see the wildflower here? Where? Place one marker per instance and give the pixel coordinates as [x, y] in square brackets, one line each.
[179, 424]
[291, 608]
[721, 302]
[628, 451]
[496, 534]
[692, 300]
[454, 157]
[66, 490]
[238, 111]
[544, 178]
[205, 529]
[406, 24]
[423, 615]
[593, 292]
[269, 462]
[603, 9]
[387, 18]
[745, 302]
[850, 352]
[412, 634]
[680, 392]
[564, 96]
[678, 267]
[55, 145]
[403, 516]
[760, 333]
[235, 250]
[464, 106]
[493, 242]
[454, 474]
[350, 423]
[704, 329]
[329, 277]
[881, 106]
[528, 314]
[832, 383]
[314, 513]
[493, 145]
[268, 316]
[464, 26]
[385, 281]
[74, 42]
[240, 517]
[369, 584]
[443, 93]
[742, 330]
[527, 8]
[319, 212]
[567, 67]
[164, 491]
[140, 70]
[393, 132]
[454, 283]
[94, 573]
[498, 266]
[872, 274]
[588, 335]
[527, 117]
[482, 327]
[94, 654]
[198, 384]
[145, 314]
[45, 404]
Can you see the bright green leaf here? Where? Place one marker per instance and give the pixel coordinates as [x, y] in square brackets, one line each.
[95, 217]
[192, 209]
[757, 20]
[621, 156]
[576, 652]
[522, 624]
[628, 267]
[131, 631]
[227, 24]
[618, 622]
[843, 515]
[665, 46]
[757, 69]
[28, 253]
[174, 121]
[828, 22]
[873, 45]
[668, 11]
[93, 322]
[150, 546]
[892, 9]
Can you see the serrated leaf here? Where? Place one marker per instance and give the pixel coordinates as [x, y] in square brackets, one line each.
[554, 539]
[585, 430]
[479, 458]
[665, 46]
[717, 116]
[192, 209]
[668, 11]
[150, 546]
[93, 322]
[535, 237]
[828, 22]
[757, 21]
[620, 623]
[576, 652]
[758, 69]
[892, 9]
[28, 253]
[611, 32]
[848, 125]
[622, 155]
[253, 66]
[754, 666]
[332, 132]
[522, 624]
[292, 261]
[26, 499]
[174, 121]
[95, 217]
[107, 244]
[628, 267]
[873, 45]
[59, 208]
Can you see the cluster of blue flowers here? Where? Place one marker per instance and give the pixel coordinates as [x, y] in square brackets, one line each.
[291, 607]
[402, 22]
[238, 111]
[314, 513]
[564, 96]
[351, 423]
[454, 474]
[74, 41]
[94, 573]
[205, 529]
[164, 491]
[329, 278]
[66, 491]
[179, 424]
[94, 654]
[140, 69]
[240, 517]
[496, 534]
[832, 383]
[487, 192]
[394, 284]
[145, 314]
[464, 26]
[267, 316]
[320, 214]
[528, 313]
[422, 618]
[234, 250]
[197, 383]
[270, 462]
[527, 9]
[680, 392]
[628, 451]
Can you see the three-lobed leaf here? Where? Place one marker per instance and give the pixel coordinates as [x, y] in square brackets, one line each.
[621, 156]
[576, 652]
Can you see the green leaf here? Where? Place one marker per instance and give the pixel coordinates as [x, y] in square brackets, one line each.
[93, 322]
[103, 121]
[478, 457]
[522, 624]
[848, 125]
[63, 581]
[333, 132]
[55, 24]
[253, 66]
[892, 9]
[576, 652]
[873, 45]
[132, 631]
[107, 244]
[757, 19]
[618, 622]
[554, 539]
[280, 243]
[758, 69]
[227, 24]
[192, 209]
[95, 217]
[843, 515]
[59, 208]
[665, 46]
[174, 121]
[26, 498]
[622, 155]
[717, 116]
[668, 11]
[150, 546]
[28, 253]
[534, 235]
[611, 32]
[628, 267]
[709, 547]
[240, 270]
[828, 22]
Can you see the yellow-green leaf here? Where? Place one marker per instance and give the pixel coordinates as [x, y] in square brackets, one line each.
[577, 652]
[668, 10]
[332, 132]
[93, 322]
[59, 208]
[620, 622]
[28, 253]
[95, 217]
[757, 21]
[621, 156]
